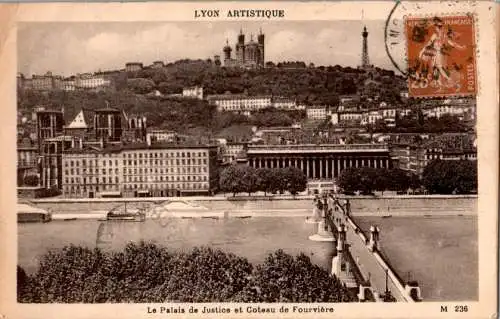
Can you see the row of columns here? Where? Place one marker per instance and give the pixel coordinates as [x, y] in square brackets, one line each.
[319, 167]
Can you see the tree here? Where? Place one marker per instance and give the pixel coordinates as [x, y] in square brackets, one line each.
[383, 179]
[367, 179]
[142, 272]
[31, 180]
[145, 272]
[284, 278]
[296, 180]
[249, 179]
[466, 177]
[264, 179]
[362, 179]
[231, 179]
[349, 180]
[140, 85]
[399, 180]
[279, 180]
[447, 177]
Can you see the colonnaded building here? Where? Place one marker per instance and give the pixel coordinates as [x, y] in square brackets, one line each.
[321, 163]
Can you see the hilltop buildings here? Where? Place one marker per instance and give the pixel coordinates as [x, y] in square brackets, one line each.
[50, 82]
[248, 55]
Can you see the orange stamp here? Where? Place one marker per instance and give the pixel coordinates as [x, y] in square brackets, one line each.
[441, 56]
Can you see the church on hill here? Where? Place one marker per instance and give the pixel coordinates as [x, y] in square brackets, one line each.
[248, 55]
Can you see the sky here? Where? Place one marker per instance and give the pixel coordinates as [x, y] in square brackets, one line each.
[70, 48]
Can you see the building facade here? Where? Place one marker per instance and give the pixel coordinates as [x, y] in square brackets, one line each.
[90, 172]
[284, 103]
[240, 103]
[195, 92]
[91, 82]
[158, 135]
[140, 170]
[316, 113]
[49, 124]
[319, 162]
[27, 162]
[233, 151]
[133, 66]
[414, 157]
[51, 155]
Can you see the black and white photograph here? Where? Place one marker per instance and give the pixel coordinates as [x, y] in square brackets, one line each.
[239, 161]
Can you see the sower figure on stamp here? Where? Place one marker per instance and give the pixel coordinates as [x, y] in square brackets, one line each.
[434, 64]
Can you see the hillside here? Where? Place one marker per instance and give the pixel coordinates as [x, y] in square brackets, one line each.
[313, 85]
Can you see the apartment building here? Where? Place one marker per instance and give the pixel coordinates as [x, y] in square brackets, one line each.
[140, 170]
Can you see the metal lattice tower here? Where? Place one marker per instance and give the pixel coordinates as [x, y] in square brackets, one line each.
[365, 60]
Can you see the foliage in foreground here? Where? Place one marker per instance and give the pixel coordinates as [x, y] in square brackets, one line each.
[146, 272]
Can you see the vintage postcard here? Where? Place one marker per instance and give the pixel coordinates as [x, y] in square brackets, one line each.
[249, 159]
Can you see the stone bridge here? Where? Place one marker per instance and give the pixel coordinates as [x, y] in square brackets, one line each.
[357, 262]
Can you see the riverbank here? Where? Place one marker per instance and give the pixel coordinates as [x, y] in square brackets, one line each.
[393, 206]
[237, 198]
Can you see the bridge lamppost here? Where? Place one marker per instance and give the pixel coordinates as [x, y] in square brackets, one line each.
[386, 276]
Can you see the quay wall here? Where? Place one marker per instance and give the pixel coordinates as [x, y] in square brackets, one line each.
[360, 206]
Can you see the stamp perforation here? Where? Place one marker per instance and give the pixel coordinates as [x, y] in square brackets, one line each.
[476, 52]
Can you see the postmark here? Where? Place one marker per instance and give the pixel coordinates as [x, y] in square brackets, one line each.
[434, 49]
[441, 56]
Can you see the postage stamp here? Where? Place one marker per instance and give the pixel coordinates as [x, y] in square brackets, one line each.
[441, 56]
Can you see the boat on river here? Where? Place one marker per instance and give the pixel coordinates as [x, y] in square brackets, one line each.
[122, 213]
[30, 214]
